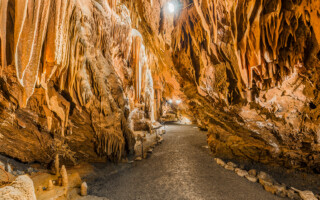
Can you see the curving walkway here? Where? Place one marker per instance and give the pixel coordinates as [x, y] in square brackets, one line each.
[179, 168]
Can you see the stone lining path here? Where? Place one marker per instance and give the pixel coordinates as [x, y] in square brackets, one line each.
[180, 168]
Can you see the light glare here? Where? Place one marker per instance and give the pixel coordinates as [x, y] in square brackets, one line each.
[171, 7]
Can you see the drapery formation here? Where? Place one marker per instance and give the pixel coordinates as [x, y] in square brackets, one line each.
[69, 70]
[248, 68]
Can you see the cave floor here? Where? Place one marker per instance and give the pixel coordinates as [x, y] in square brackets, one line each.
[180, 168]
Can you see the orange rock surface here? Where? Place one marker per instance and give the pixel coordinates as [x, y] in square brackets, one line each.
[79, 77]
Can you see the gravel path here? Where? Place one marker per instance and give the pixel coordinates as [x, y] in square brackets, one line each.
[180, 168]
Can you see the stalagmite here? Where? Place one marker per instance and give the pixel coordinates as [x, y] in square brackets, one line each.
[64, 176]
[57, 164]
[84, 189]
[50, 185]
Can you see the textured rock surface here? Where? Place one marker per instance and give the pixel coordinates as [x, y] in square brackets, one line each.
[70, 80]
[79, 77]
[22, 188]
[249, 70]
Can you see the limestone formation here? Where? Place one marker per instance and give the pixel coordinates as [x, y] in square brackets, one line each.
[79, 77]
[57, 165]
[84, 189]
[50, 185]
[64, 176]
[21, 189]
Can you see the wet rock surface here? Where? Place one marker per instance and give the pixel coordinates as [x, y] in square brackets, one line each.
[179, 168]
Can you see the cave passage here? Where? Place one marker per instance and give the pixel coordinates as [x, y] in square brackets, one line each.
[180, 168]
[93, 81]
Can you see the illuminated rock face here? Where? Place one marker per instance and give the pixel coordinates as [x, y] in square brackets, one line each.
[249, 69]
[78, 77]
[68, 85]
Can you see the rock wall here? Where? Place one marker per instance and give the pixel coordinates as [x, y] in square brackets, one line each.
[253, 79]
[69, 72]
[79, 77]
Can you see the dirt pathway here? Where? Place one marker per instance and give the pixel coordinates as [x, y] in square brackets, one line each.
[180, 168]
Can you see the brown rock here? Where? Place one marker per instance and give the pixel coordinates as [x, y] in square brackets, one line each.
[241, 173]
[21, 189]
[251, 178]
[293, 195]
[220, 162]
[138, 158]
[253, 172]
[229, 167]
[307, 195]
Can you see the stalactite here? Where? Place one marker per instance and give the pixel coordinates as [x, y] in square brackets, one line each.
[3, 33]
[137, 67]
[33, 26]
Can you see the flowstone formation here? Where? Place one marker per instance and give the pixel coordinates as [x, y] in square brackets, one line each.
[250, 70]
[72, 73]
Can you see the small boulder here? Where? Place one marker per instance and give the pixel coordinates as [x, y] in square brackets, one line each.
[265, 179]
[228, 167]
[232, 164]
[220, 162]
[21, 189]
[281, 190]
[241, 172]
[138, 158]
[252, 172]
[293, 195]
[263, 175]
[307, 195]
[251, 178]
[276, 189]
[265, 182]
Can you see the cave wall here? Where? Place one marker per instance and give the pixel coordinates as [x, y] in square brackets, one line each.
[78, 75]
[70, 75]
[253, 80]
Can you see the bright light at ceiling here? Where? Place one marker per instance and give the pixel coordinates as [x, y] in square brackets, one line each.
[178, 101]
[171, 7]
[170, 101]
